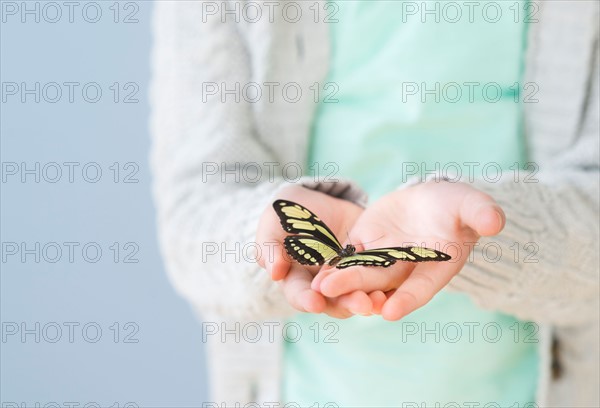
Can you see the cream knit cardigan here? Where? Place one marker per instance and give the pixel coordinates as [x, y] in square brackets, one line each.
[560, 213]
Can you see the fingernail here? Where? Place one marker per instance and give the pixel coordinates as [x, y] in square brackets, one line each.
[269, 268]
[500, 219]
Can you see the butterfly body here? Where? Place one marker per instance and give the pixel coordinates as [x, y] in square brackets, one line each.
[316, 244]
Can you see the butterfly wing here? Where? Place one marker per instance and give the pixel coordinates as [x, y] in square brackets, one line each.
[307, 250]
[299, 220]
[316, 243]
[386, 257]
[412, 254]
[365, 259]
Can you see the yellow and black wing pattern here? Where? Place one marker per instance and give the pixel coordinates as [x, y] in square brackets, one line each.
[388, 256]
[316, 244]
[308, 251]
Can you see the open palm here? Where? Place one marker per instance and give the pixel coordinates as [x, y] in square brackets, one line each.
[296, 279]
[439, 215]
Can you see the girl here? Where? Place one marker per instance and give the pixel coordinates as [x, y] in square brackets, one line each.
[224, 121]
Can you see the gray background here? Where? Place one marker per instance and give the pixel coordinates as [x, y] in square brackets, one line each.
[165, 367]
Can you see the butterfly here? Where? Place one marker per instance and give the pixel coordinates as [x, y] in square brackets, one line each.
[315, 244]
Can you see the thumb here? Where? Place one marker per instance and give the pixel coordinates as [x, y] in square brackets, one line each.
[482, 214]
[273, 260]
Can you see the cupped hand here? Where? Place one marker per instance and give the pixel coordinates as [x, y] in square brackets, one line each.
[440, 215]
[296, 279]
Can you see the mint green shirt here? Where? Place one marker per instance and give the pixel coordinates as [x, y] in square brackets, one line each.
[378, 133]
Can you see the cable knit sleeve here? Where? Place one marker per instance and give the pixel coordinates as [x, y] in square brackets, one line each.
[548, 271]
[204, 161]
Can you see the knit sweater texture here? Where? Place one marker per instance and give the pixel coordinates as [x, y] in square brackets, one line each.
[203, 149]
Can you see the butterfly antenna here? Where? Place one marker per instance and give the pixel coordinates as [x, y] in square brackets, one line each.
[376, 239]
[368, 242]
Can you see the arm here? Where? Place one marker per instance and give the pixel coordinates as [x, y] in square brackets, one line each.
[199, 213]
[559, 214]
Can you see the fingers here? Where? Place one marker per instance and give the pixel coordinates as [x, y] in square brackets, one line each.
[277, 265]
[274, 258]
[296, 288]
[269, 237]
[378, 299]
[355, 303]
[418, 289]
[270, 256]
[482, 214]
[323, 273]
[364, 279]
